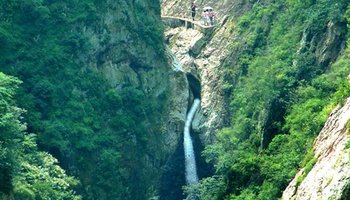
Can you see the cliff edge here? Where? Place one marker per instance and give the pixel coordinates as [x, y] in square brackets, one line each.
[330, 175]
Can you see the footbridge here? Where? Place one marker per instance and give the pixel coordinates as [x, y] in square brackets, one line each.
[174, 22]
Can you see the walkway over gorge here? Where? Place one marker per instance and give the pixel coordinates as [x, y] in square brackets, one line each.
[174, 22]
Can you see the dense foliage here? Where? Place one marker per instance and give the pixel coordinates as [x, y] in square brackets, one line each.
[282, 89]
[97, 132]
[26, 173]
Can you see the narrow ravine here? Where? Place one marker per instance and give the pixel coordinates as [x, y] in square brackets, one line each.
[190, 158]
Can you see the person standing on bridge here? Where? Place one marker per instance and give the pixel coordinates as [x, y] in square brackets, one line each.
[205, 16]
[211, 17]
[193, 10]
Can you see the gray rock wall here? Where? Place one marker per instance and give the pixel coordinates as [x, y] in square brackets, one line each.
[331, 173]
[130, 53]
[201, 55]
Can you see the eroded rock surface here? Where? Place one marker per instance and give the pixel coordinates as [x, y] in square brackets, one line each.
[202, 55]
[331, 173]
[122, 52]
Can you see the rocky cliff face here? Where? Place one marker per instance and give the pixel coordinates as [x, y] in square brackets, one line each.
[128, 58]
[206, 67]
[330, 175]
[99, 90]
[204, 56]
[201, 55]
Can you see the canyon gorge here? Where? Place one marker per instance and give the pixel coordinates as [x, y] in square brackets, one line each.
[136, 100]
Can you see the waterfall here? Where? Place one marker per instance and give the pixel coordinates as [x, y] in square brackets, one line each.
[190, 159]
[175, 63]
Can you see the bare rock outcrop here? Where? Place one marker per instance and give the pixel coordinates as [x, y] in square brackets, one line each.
[127, 58]
[331, 173]
[326, 44]
[202, 55]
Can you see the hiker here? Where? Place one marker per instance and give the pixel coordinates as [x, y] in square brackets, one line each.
[211, 17]
[208, 16]
[193, 10]
[205, 17]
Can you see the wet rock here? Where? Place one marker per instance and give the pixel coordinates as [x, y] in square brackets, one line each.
[197, 43]
[201, 56]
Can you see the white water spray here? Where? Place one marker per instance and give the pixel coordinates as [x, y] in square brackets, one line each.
[190, 159]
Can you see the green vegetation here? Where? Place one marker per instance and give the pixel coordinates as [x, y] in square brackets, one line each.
[347, 145]
[346, 191]
[282, 89]
[99, 133]
[287, 78]
[307, 169]
[26, 173]
[210, 188]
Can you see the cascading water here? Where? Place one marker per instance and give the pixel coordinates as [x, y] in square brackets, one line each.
[190, 159]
